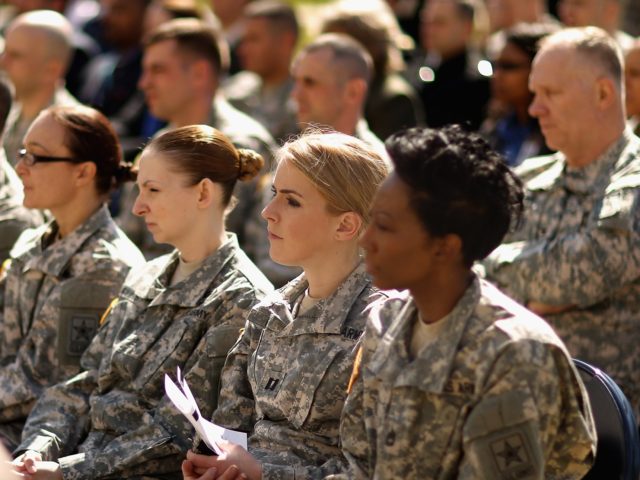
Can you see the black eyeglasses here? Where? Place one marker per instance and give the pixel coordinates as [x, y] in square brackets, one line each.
[508, 66]
[30, 159]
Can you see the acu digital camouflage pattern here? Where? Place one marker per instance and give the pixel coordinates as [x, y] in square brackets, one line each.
[14, 218]
[285, 381]
[51, 300]
[495, 397]
[579, 245]
[113, 420]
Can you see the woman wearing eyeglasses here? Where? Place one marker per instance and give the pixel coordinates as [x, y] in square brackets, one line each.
[509, 127]
[61, 277]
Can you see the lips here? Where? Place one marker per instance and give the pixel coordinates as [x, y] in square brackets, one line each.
[273, 236]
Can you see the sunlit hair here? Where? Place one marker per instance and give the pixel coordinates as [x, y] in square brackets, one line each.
[200, 151]
[596, 46]
[458, 185]
[346, 171]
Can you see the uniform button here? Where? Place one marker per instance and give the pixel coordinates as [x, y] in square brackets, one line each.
[391, 438]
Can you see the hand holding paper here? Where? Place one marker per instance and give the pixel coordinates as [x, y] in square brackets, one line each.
[210, 433]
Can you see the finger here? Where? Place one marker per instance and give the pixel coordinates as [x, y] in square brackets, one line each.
[232, 473]
[210, 474]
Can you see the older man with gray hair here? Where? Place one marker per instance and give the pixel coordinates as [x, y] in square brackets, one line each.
[36, 57]
[575, 259]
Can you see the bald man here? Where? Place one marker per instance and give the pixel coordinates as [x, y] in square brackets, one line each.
[575, 258]
[36, 57]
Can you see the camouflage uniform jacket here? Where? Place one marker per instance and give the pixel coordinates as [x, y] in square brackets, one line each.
[579, 246]
[115, 413]
[14, 218]
[285, 381]
[51, 300]
[496, 397]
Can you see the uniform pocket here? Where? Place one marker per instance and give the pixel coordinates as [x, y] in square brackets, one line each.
[82, 304]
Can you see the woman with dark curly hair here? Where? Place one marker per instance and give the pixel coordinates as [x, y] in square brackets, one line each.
[456, 380]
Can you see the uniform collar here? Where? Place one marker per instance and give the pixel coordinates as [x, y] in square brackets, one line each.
[189, 292]
[430, 370]
[332, 311]
[54, 259]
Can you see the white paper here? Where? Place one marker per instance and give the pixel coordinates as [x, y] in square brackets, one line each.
[211, 434]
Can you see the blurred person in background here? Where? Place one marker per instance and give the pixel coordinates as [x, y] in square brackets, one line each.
[605, 14]
[392, 103]
[453, 77]
[36, 56]
[262, 89]
[509, 127]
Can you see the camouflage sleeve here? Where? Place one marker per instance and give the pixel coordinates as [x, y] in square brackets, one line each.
[282, 472]
[70, 317]
[236, 405]
[60, 418]
[531, 422]
[160, 445]
[579, 268]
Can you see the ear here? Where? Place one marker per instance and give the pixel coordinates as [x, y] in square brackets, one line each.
[201, 73]
[349, 226]
[356, 91]
[55, 69]
[606, 92]
[208, 193]
[449, 249]
[85, 173]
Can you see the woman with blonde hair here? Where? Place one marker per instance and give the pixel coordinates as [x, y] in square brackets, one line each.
[285, 380]
[182, 310]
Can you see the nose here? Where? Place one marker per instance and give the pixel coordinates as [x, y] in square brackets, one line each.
[269, 211]
[21, 167]
[142, 82]
[140, 208]
[536, 107]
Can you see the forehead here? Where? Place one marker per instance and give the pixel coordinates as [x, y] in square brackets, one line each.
[633, 57]
[163, 52]
[317, 65]
[554, 65]
[441, 9]
[44, 130]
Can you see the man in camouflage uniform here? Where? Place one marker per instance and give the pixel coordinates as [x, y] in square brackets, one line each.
[575, 259]
[52, 295]
[113, 420]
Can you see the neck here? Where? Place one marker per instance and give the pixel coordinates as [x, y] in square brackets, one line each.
[32, 104]
[196, 113]
[275, 78]
[593, 146]
[72, 215]
[203, 240]
[438, 296]
[326, 274]
[347, 123]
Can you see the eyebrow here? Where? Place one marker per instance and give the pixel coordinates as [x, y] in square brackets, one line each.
[36, 144]
[286, 190]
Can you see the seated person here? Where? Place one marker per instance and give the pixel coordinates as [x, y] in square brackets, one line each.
[60, 277]
[184, 309]
[285, 380]
[456, 380]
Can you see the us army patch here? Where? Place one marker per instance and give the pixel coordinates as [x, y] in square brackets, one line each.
[83, 328]
[511, 457]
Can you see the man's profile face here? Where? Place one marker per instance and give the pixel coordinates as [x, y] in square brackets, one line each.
[442, 29]
[166, 80]
[258, 46]
[24, 58]
[632, 80]
[564, 88]
[317, 91]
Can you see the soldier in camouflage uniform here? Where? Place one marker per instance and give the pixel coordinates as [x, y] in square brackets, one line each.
[575, 259]
[62, 276]
[285, 380]
[14, 218]
[456, 380]
[184, 309]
